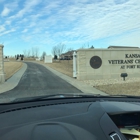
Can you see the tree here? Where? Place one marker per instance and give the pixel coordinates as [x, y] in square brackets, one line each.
[55, 57]
[25, 53]
[33, 52]
[69, 49]
[84, 46]
[36, 50]
[54, 50]
[43, 55]
[28, 53]
[17, 57]
[60, 49]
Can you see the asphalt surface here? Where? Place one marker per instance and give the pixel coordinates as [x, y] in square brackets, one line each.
[37, 81]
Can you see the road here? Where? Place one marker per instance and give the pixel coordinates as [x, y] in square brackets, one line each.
[36, 81]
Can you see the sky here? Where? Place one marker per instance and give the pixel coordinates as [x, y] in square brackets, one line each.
[42, 24]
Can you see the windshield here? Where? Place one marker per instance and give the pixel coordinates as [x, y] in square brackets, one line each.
[76, 47]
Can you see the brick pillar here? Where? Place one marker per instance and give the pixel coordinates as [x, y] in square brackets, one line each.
[2, 75]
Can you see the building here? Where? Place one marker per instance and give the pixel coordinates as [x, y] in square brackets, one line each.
[67, 56]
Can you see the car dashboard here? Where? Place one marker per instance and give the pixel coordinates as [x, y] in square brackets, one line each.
[71, 119]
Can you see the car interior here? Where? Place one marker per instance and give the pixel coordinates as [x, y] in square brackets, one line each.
[100, 118]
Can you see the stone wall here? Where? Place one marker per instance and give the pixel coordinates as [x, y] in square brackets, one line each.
[2, 76]
[107, 63]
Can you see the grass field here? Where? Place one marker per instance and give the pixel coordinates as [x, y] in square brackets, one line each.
[63, 66]
[11, 67]
[132, 88]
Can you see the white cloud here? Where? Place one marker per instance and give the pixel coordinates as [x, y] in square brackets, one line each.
[8, 22]
[2, 28]
[76, 21]
[27, 7]
[25, 30]
[85, 22]
[27, 38]
[100, 20]
[7, 32]
[130, 39]
[32, 24]
[12, 5]
[5, 11]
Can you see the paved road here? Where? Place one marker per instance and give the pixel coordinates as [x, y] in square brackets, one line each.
[37, 80]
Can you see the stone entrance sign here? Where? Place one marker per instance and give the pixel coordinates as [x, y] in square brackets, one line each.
[93, 64]
[48, 59]
[2, 76]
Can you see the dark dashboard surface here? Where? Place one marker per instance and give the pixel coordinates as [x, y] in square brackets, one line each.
[77, 119]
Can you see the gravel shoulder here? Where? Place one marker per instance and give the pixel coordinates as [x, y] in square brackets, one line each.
[117, 86]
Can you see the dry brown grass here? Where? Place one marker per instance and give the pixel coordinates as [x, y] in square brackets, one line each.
[25, 59]
[132, 88]
[63, 66]
[11, 68]
[29, 59]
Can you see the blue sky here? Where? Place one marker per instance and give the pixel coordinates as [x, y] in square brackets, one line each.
[25, 24]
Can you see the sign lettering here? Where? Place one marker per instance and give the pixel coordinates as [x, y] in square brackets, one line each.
[132, 63]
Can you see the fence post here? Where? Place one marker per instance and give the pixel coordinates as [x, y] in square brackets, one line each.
[74, 65]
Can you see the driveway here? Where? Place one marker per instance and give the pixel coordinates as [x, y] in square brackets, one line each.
[36, 81]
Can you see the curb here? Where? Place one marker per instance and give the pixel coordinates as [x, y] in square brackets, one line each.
[13, 81]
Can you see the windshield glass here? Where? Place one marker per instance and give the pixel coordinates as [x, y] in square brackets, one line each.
[69, 47]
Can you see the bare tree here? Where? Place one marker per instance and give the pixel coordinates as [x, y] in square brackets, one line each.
[36, 50]
[54, 50]
[33, 52]
[60, 48]
[69, 49]
[84, 46]
[43, 55]
[28, 53]
[25, 53]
